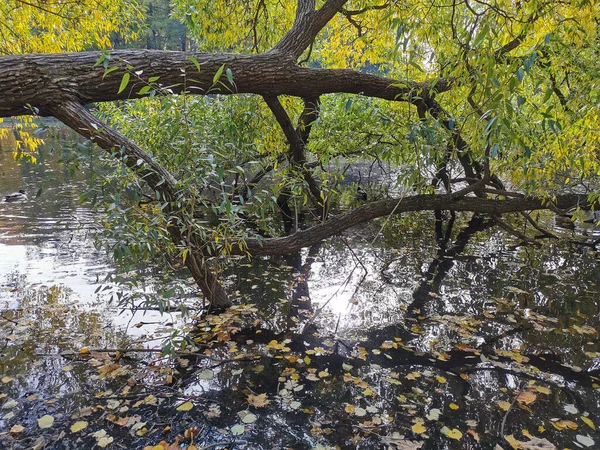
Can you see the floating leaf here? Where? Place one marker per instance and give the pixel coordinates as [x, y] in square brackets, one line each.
[360, 412]
[295, 405]
[536, 444]
[454, 406]
[185, 406]
[434, 414]
[78, 426]
[454, 434]
[206, 375]
[6, 380]
[570, 408]
[238, 429]
[526, 397]
[588, 422]
[249, 418]
[104, 441]
[418, 428]
[542, 390]
[9, 404]
[258, 400]
[585, 440]
[45, 421]
[16, 429]
[504, 406]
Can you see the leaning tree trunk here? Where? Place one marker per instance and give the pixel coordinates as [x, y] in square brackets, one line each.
[74, 115]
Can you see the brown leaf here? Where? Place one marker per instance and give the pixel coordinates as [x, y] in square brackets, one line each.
[526, 397]
[258, 400]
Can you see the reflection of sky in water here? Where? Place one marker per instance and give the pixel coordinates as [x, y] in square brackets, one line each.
[48, 240]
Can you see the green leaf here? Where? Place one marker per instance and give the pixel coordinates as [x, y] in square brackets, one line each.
[124, 82]
[153, 79]
[143, 90]
[107, 71]
[218, 74]
[195, 61]
[229, 75]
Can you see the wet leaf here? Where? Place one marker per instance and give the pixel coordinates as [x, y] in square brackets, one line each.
[542, 390]
[206, 375]
[6, 380]
[16, 429]
[454, 406]
[78, 426]
[238, 430]
[454, 434]
[588, 422]
[347, 367]
[360, 412]
[526, 397]
[295, 405]
[537, 444]
[418, 428]
[258, 400]
[434, 414]
[104, 441]
[249, 418]
[570, 408]
[504, 406]
[585, 440]
[185, 406]
[9, 404]
[45, 421]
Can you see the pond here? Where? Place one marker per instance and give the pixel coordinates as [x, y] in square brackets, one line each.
[390, 336]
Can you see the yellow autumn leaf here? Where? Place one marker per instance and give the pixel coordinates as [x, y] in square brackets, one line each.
[504, 405]
[45, 421]
[418, 428]
[185, 406]
[454, 406]
[78, 426]
[454, 434]
[440, 379]
[542, 390]
[588, 422]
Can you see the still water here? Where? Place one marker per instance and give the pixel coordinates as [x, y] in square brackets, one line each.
[386, 337]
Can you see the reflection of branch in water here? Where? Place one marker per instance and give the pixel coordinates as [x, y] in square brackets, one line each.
[301, 301]
[444, 261]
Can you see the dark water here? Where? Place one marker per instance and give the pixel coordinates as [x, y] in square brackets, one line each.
[396, 332]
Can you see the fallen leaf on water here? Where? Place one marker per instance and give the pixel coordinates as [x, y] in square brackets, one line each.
[78, 426]
[588, 422]
[454, 406]
[585, 440]
[206, 375]
[185, 406]
[418, 428]
[249, 418]
[45, 421]
[104, 441]
[238, 429]
[542, 390]
[454, 434]
[17, 429]
[258, 400]
[526, 397]
[6, 380]
[504, 405]
[570, 408]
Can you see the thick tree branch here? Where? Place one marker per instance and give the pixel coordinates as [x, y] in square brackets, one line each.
[34, 83]
[307, 25]
[364, 213]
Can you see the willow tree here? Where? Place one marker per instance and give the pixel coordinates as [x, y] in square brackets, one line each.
[488, 107]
